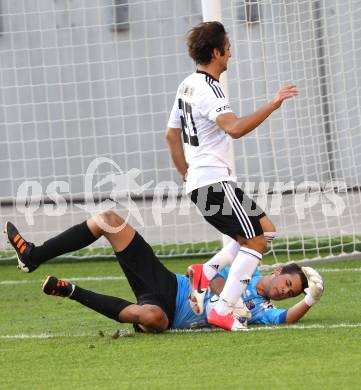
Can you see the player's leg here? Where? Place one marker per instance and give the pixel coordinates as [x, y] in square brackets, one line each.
[221, 259]
[150, 318]
[229, 252]
[151, 282]
[201, 274]
[113, 227]
[241, 271]
[269, 229]
[31, 256]
[150, 315]
[230, 304]
[76, 237]
[239, 217]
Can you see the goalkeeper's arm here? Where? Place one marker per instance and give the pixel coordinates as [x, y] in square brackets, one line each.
[296, 312]
[313, 295]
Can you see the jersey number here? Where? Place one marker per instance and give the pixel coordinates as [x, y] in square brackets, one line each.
[188, 126]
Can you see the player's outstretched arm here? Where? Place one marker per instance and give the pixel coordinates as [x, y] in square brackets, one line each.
[175, 146]
[296, 312]
[313, 295]
[238, 127]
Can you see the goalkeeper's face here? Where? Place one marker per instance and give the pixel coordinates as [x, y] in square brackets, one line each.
[283, 286]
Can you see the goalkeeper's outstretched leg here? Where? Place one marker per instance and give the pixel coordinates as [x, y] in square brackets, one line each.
[147, 318]
[154, 287]
[79, 236]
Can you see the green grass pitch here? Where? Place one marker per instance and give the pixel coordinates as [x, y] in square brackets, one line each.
[49, 342]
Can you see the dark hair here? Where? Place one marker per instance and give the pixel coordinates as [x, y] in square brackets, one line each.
[203, 39]
[293, 268]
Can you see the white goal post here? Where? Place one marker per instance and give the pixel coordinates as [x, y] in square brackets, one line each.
[87, 86]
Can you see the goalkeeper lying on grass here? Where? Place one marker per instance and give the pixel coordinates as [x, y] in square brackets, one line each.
[162, 296]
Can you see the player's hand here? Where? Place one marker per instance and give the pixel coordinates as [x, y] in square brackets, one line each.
[315, 286]
[284, 93]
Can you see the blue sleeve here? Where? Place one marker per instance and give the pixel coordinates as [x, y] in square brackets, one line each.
[271, 316]
[223, 273]
[256, 273]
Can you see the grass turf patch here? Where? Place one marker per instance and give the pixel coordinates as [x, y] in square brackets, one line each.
[78, 356]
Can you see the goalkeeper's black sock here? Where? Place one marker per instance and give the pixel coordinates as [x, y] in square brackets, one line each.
[72, 239]
[103, 304]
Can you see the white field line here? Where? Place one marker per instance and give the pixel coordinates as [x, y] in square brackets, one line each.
[339, 269]
[41, 336]
[106, 278]
[280, 327]
[205, 330]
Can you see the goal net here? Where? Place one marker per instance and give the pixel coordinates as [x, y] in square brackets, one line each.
[86, 90]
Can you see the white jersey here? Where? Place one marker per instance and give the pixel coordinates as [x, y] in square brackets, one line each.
[198, 102]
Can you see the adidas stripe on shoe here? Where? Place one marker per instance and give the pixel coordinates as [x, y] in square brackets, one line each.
[57, 287]
[22, 248]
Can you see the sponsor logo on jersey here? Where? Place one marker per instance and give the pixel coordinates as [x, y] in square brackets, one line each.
[223, 108]
[186, 90]
[250, 304]
[267, 305]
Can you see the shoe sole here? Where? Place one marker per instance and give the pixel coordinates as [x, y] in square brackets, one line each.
[196, 299]
[44, 283]
[238, 329]
[218, 323]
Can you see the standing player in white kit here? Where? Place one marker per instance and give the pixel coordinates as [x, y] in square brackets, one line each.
[202, 114]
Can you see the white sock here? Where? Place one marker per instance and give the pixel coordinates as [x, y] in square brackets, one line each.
[222, 307]
[240, 273]
[222, 258]
[269, 236]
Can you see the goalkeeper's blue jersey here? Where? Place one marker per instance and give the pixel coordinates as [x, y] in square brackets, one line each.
[263, 312]
[184, 317]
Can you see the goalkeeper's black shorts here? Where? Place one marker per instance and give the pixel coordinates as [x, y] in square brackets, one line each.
[151, 282]
[229, 209]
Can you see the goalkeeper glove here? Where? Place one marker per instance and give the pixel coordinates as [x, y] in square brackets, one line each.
[315, 286]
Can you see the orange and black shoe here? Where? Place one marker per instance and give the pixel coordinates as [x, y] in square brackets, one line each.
[57, 287]
[22, 248]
